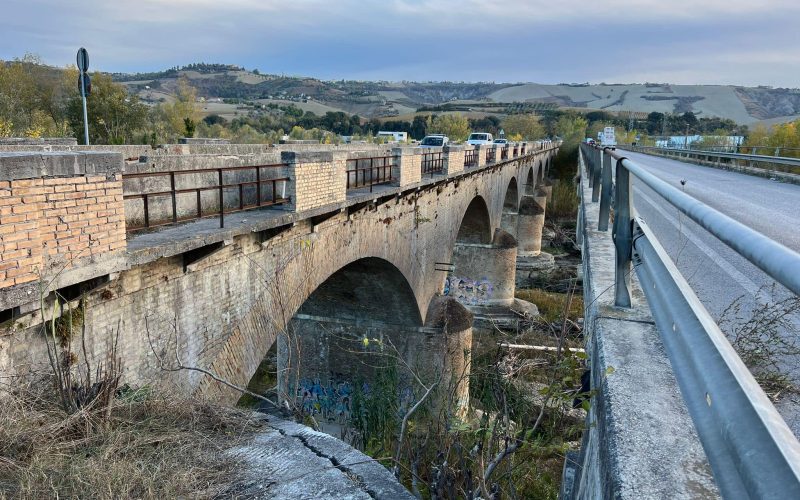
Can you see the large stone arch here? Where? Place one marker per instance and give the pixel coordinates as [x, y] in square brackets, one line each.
[508, 221]
[371, 289]
[530, 178]
[476, 224]
[330, 345]
[511, 199]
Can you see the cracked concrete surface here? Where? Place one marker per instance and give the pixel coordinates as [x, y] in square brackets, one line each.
[292, 461]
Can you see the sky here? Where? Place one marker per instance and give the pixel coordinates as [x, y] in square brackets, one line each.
[614, 41]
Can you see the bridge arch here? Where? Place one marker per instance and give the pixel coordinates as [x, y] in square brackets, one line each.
[327, 350]
[476, 224]
[530, 179]
[511, 200]
[368, 288]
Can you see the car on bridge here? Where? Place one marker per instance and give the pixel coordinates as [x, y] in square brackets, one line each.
[434, 141]
[477, 138]
[501, 141]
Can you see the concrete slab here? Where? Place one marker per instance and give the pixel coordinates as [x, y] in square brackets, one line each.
[292, 461]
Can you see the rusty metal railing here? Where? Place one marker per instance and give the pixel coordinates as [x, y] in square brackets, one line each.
[432, 163]
[504, 153]
[251, 193]
[470, 158]
[491, 155]
[370, 172]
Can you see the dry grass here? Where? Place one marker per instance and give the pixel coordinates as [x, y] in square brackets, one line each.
[564, 202]
[148, 447]
[551, 304]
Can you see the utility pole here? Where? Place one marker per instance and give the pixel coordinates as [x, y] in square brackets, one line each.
[686, 140]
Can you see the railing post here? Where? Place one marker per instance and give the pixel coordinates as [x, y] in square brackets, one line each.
[174, 197]
[605, 194]
[622, 236]
[221, 200]
[589, 157]
[598, 163]
[258, 187]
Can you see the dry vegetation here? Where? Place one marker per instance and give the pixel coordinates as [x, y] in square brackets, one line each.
[148, 446]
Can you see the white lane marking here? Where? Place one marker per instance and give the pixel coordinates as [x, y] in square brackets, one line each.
[715, 257]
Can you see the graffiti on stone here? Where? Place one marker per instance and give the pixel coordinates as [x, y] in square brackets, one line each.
[332, 401]
[468, 291]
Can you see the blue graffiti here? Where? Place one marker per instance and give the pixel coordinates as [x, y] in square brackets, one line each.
[333, 402]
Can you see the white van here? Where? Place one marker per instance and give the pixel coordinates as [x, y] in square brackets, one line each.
[476, 138]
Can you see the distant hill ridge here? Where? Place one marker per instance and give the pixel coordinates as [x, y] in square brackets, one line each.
[745, 105]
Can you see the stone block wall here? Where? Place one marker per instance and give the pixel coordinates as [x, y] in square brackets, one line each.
[54, 210]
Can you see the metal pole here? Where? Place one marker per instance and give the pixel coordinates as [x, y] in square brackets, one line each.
[85, 114]
[598, 164]
[622, 237]
[605, 194]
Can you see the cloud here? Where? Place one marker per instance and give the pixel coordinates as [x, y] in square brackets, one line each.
[514, 40]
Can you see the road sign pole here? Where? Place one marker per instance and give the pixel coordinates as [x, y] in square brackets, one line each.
[85, 114]
[83, 67]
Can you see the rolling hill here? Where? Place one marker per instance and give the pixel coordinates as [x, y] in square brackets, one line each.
[217, 82]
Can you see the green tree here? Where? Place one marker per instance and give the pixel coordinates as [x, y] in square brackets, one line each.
[571, 129]
[455, 126]
[526, 126]
[114, 116]
[189, 127]
[184, 106]
[32, 98]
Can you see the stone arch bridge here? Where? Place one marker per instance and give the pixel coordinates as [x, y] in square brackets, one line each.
[384, 243]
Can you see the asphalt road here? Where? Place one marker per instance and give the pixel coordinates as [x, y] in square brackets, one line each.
[717, 274]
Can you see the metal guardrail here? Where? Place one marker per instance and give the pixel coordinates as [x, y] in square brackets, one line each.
[723, 159]
[247, 190]
[370, 172]
[751, 450]
[786, 151]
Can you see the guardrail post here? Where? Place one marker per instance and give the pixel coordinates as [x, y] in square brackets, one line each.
[598, 163]
[605, 194]
[622, 237]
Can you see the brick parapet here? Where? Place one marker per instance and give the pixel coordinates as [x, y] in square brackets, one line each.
[315, 178]
[407, 168]
[454, 159]
[56, 209]
[480, 155]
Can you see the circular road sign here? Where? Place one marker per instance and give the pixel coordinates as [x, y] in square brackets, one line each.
[83, 60]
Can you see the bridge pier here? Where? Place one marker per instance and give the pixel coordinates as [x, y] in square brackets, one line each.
[484, 277]
[530, 258]
[509, 221]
